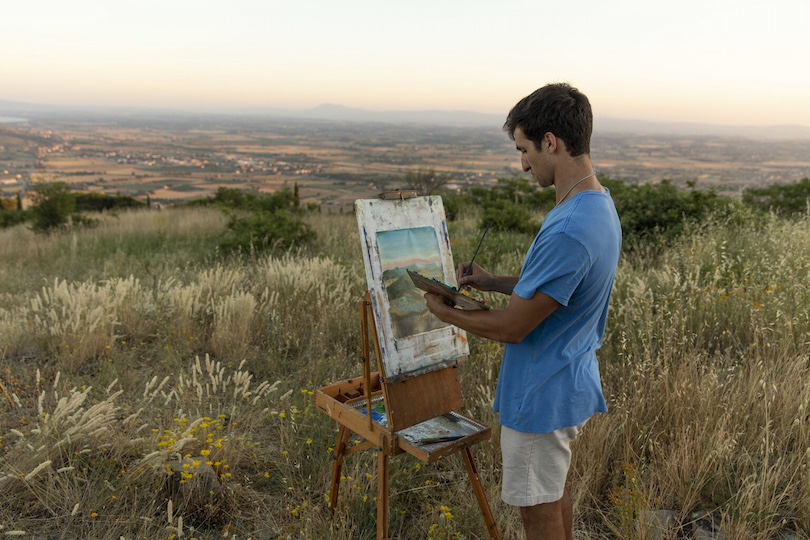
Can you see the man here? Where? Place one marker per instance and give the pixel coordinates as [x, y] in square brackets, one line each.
[549, 382]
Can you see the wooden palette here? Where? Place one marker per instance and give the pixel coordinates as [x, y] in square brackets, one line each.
[437, 287]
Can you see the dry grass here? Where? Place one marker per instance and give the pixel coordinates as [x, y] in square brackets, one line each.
[115, 368]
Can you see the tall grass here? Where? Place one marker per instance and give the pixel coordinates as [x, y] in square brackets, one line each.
[155, 389]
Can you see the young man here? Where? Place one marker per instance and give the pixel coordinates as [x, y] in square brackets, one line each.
[554, 322]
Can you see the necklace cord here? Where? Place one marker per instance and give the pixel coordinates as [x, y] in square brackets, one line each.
[575, 185]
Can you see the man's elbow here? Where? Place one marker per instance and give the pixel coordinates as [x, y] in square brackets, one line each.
[512, 336]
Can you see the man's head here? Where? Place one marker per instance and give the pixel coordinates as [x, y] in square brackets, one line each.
[556, 108]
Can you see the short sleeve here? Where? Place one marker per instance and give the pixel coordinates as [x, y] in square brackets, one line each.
[555, 266]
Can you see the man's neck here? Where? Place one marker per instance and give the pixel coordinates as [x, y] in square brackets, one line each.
[575, 178]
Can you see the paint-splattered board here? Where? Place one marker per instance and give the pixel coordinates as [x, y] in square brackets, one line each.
[397, 236]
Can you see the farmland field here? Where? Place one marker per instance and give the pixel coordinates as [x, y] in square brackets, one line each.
[174, 159]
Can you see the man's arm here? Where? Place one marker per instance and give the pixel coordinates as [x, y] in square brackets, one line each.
[509, 325]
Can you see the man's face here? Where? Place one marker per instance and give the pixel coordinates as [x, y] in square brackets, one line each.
[533, 161]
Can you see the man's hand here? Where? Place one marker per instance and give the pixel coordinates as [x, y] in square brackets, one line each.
[477, 278]
[480, 279]
[437, 304]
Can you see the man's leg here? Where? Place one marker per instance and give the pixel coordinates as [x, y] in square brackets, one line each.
[549, 521]
[535, 467]
[568, 516]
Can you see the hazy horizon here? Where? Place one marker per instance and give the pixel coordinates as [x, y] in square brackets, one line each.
[11, 112]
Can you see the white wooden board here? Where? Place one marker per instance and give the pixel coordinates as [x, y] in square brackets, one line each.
[398, 235]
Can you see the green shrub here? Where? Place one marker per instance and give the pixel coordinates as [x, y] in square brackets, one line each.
[657, 214]
[506, 206]
[53, 204]
[653, 215]
[9, 218]
[235, 199]
[98, 202]
[260, 231]
[504, 216]
[517, 191]
[80, 220]
[790, 199]
[281, 200]
[456, 205]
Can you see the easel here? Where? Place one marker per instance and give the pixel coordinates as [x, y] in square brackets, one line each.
[409, 402]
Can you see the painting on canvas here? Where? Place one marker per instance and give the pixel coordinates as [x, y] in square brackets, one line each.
[401, 235]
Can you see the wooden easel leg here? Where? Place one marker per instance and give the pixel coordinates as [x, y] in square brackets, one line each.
[472, 471]
[337, 466]
[382, 491]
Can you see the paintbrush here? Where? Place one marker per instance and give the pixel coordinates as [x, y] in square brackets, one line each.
[469, 268]
[434, 440]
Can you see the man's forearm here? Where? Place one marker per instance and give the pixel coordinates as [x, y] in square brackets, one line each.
[509, 325]
[487, 324]
[504, 284]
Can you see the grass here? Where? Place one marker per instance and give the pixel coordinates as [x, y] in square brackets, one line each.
[134, 350]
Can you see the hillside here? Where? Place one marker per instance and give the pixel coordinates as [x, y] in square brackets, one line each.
[134, 348]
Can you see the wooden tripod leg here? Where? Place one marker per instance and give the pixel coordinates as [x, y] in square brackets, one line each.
[382, 490]
[472, 471]
[337, 466]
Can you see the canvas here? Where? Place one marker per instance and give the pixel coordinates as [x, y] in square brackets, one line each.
[399, 235]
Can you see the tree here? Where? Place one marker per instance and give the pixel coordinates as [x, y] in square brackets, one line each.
[426, 182]
[53, 203]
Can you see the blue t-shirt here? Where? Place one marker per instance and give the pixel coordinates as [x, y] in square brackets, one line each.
[551, 379]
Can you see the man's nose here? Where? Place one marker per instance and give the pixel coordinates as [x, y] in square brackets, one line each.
[525, 164]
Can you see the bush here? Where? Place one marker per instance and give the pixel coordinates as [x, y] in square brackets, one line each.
[53, 204]
[79, 220]
[517, 191]
[260, 231]
[503, 216]
[657, 214]
[650, 214]
[791, 199]
[9, 218]
[98, 202]
[507, 206]
[235, 199]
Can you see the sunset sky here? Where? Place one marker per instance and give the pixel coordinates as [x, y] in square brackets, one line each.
[711, 61]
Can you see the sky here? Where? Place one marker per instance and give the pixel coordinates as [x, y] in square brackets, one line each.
[741, 62]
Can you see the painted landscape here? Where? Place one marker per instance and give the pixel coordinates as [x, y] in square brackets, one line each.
[402, 250]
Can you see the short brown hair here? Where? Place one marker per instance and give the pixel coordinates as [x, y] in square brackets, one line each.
[558, 108]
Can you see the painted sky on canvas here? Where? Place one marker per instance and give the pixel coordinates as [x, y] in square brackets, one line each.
[403, 247]
[741, 62]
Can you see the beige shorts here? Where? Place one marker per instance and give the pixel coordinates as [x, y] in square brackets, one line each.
[535, 465]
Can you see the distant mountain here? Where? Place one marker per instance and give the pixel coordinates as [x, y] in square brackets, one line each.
[339, 113]
[329, 111]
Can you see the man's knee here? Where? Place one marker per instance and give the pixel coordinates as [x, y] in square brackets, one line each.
[542, 514]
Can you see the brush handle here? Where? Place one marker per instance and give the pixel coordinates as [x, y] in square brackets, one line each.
[469, 268]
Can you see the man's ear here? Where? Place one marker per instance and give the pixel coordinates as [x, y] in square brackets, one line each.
[549, 142]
